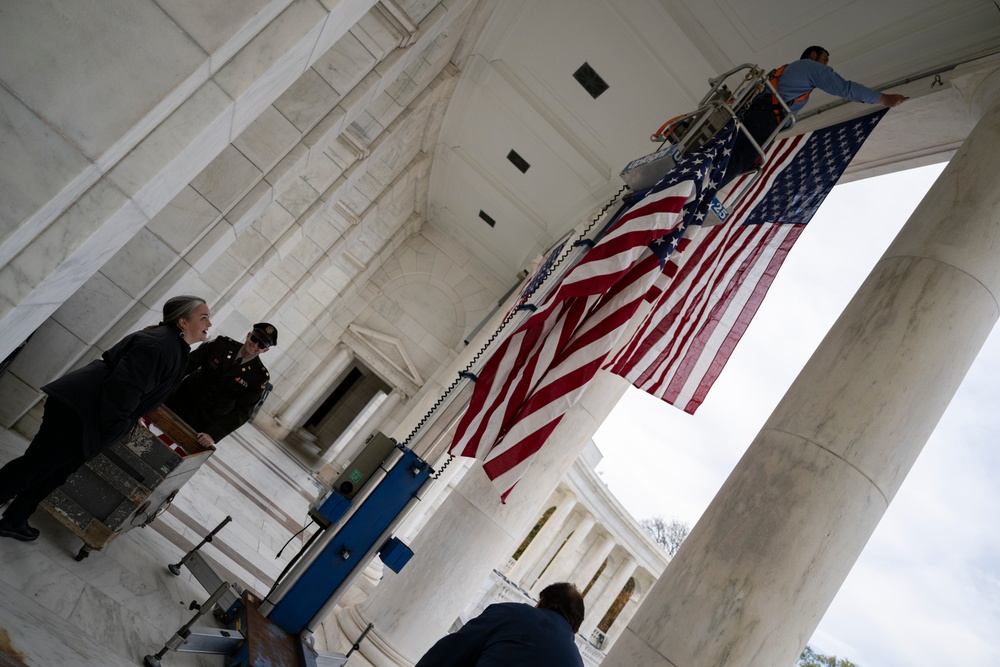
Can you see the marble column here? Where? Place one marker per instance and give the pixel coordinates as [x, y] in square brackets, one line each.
[600, 604]
[643, 582]
[433, 497]
[592, 561]
[620, 623]
[465, 539]
[592, 594]
[346, 449]
[543, 538]
[552, 546]
[754, 578]
[296, 409]
[562, 566]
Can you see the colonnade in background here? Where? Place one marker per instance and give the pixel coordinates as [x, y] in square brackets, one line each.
[572, 545]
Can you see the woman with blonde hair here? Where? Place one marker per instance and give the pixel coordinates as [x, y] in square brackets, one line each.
[95, 406]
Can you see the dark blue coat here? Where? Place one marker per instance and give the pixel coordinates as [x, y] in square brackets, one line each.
[508, 634]
[129, 380]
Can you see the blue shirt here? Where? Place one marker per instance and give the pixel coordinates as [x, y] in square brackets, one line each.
[802, 76]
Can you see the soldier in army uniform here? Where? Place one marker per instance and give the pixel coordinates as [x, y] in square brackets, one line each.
[224, 381]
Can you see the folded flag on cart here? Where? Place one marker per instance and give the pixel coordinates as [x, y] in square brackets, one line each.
[540, 371]
[706, 299]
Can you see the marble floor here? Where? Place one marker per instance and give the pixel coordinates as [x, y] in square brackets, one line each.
[122, 603]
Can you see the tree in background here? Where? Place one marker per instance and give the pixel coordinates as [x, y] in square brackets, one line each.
[668, 534]
[811, 658]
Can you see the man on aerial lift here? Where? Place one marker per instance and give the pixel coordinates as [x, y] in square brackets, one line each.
[794, 82]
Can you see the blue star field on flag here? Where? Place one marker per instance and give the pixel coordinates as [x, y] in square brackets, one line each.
[544, 269]
[705, 168]
[801, 187]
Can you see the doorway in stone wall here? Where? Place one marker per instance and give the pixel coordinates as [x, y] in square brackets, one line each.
[353, 395]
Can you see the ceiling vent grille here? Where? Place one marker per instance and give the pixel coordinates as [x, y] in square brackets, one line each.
[590, 80]
[518, 161]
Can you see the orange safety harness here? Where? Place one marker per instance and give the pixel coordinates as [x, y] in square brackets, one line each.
[775, 103]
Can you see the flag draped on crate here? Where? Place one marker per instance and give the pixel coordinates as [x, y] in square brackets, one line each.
[541, 370]
[706, 301]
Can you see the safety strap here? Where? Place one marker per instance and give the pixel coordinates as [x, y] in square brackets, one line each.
[774, 76]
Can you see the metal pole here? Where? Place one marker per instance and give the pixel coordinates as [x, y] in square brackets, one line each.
[181, 635]
[176, 567]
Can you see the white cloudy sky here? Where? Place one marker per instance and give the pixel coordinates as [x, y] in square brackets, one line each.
[926, 590]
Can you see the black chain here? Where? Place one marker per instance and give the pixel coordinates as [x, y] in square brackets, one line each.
[437, 475]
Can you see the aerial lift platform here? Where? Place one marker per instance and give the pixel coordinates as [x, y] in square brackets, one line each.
[730, 94]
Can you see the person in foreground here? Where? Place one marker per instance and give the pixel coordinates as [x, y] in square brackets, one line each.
[93, 407]
[225, 380]
[794, 82]
[512, 633]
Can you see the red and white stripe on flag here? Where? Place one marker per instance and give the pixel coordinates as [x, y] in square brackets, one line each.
[712, 291]
[534, 377]
[536, 374]
[569, 374]
[709, 298]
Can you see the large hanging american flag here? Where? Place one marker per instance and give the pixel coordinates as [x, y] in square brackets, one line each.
[542, 369]
[706, 301]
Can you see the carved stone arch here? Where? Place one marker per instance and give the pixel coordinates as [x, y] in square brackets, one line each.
[405, 291]
[640, 587]
[385, 355]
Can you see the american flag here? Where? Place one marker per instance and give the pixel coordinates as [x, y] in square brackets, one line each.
[542, 369]
[708, 297]
[543, 271]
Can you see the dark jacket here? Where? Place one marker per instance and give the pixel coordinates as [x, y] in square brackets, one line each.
[506, 634]
[129, 380]
[216, 396]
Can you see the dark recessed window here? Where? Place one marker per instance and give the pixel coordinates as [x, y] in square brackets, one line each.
[489, 221]
[590, 80]
[518, 161]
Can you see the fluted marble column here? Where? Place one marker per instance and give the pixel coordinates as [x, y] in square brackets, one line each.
[432, 498]
[602, 582]
[568, 557]
[345, 450]
[602, 602]
[756, 575]
[643, 582]
[551, 546]
[592, 560]
[295, 410]
[620, 623]
[468, 536]
[543, 538]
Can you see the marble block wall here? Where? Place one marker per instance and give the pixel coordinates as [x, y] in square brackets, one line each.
[277, 168]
